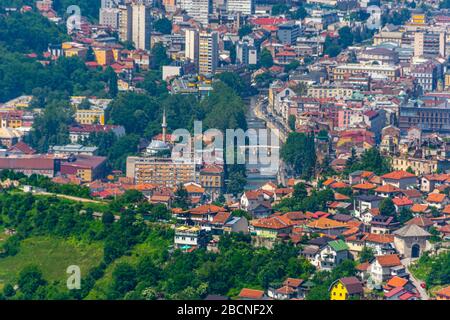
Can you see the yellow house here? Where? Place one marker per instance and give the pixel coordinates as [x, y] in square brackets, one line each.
[104, 57]
[346, 288]
[90, 116]
[418, 18]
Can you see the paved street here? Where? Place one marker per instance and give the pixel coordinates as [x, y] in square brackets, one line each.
[423, 293]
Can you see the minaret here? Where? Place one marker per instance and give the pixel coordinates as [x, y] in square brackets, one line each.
[164, 126]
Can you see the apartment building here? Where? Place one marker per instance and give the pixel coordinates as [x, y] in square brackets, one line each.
[389, 72]
[208, 52]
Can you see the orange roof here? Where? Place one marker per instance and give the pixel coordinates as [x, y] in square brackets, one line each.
[402, 201]
[396, 281]
[192, 188]
[328, 182]
[340, 197]
[379, 238]
[293, 282]
[444, 292]
[397, 175]
[364, 186]
[221, 218]
[436, 197]
[363, 266]
[278, 222]
[420, 208]
[387, 188]
[338, 185]
[366, 174]
[325, 223]
[251, 294]
[207, 208]
[390, 260]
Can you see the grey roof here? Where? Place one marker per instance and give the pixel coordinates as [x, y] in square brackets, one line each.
[411, 230]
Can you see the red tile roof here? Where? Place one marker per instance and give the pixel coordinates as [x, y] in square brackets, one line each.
[436, 197]
[251, 294]
[390, 260]
[398, 175]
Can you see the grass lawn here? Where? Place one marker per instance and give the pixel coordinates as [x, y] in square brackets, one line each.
[154, 245]
[52, 255]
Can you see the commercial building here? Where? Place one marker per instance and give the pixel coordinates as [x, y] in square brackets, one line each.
[110, 17]
[246, 52]
[288, 33]
[429, 44]
[86, 168]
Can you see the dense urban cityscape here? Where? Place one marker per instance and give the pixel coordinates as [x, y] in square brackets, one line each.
[225, 150]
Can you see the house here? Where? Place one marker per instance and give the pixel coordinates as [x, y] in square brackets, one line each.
[383, 224]
[399, 293]
[346, 289]
[443, 294]
[251, 294]
[402, 203]
[201, 215]
[271, 227]
[291, 289]
[188, 238]
[326, 226]
[257, 203]
[400, 179]
[398, 282]
[360, 176]
[364, 203]
[332, 254]
[437, 200]
[411, 240]
[387, 191]
[225, 222]
[429, 182]
[382, 267]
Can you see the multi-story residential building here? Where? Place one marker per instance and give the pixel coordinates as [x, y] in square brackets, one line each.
[288, 33]
[125, 22]
[208, 55]
[197, 9]
[160, 171]
[110, 17]
[390, 72]
[427, 75]
[246, 7]
[246, 52]
[212, 179]
[141, 26]
[380, 55]
[192, 45]
[31, 164]
[78, 133]
[189, 238]
[429, 44]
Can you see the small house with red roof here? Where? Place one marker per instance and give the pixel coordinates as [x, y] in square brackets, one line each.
[400, 179]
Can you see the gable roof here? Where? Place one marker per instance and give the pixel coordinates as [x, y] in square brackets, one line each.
[390, 260]
[251, 294]
[352, 284]
[207, 208]
[421, 221]
[338, 245]
[436, 197]
[325, 223]
[396, 281]
[398, 175]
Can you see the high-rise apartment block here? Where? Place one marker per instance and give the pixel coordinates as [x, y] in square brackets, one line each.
[141, 25]
[208, 52]
[246, 7]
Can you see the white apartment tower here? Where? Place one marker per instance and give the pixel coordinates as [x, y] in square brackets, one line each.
[192, 45]
[141, 26]
[208, 52]
[197, 9]
[125, 19]
[246, 7]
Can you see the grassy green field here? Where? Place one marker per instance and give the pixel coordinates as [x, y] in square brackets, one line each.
[153, 246]
[52, 256]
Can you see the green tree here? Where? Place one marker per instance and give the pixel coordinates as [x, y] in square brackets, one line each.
[163, 25]
[387, 207]
[30, 280]
[245, 30]
[366, 254]
[291, 121]
[266, 59]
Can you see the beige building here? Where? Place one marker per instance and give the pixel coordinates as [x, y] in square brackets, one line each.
[125, 19]
[141, 26]
[329, 91]
[341, 71]
[90, 116]
[418, 165]
[429, 44]
[161, 171]
[388, 36]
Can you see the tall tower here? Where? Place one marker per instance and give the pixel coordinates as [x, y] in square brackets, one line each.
[208, 52]
[191, 46]
[141, 25]
[164, 126]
